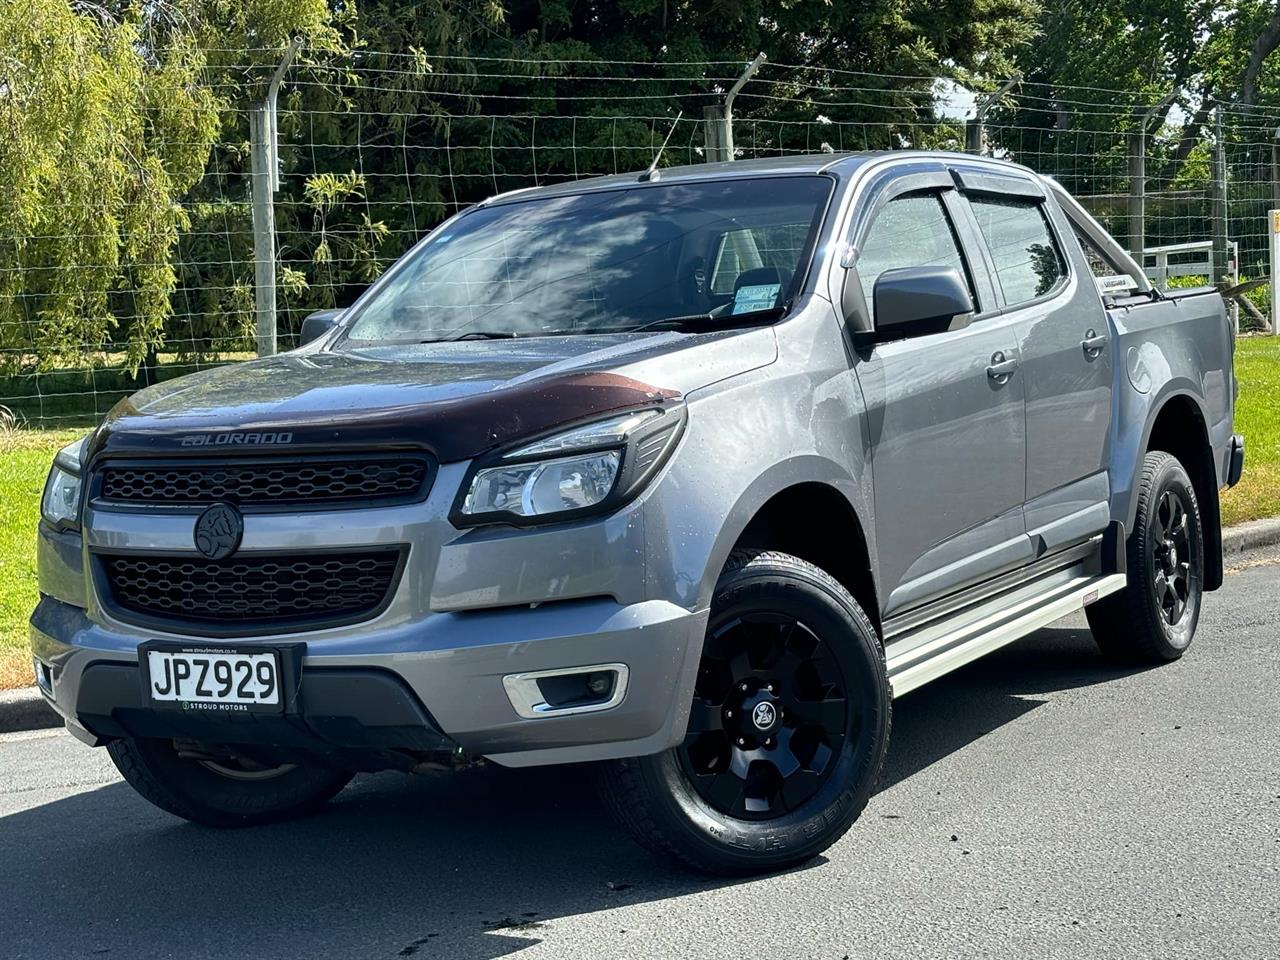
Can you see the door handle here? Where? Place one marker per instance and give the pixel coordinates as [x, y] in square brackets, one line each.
[1002, 367]
[1093, 344]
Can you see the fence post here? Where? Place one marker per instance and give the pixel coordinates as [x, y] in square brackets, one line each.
[1275, 167]
[264, 231]
[1273, 243]
[1138, 173]
[1218, 216]
[975, 130]
[973, 135]
[264, 163]
[715, 133]
[1138, 191]
[718, 119]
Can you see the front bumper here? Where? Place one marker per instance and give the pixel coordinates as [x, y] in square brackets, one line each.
[418, 687]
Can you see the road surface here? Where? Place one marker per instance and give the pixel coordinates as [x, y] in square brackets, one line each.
[1039, 803]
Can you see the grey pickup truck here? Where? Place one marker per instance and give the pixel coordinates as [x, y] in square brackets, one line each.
[688, 473]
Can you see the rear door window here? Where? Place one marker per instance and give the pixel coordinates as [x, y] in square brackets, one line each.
[1028, 262]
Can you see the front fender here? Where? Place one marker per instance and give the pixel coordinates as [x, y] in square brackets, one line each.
[743, 446]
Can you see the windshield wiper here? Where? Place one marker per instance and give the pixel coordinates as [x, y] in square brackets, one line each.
[706, 321]
[476, 335]
[698, 322]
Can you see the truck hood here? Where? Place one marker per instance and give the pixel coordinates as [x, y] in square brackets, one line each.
[456, 400]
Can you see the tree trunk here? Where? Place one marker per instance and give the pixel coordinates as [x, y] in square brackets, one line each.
[1263, 47]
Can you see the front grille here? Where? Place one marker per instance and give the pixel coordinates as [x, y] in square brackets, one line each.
[291, 482]
[301, 591]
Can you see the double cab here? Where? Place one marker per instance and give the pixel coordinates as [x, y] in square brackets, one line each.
[689, 473]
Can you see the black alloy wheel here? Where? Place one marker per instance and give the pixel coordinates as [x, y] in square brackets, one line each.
[1175, 569]
[1153, 619]
[788, 727]
[769, 717]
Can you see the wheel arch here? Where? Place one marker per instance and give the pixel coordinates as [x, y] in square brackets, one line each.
[816, 521]
[1179, 427]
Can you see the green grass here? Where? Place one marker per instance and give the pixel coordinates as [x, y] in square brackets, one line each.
[1258, 418]
[25, 456]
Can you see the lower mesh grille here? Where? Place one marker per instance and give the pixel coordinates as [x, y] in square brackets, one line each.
[288, 590]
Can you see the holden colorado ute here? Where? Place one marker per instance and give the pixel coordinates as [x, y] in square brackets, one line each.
[689, 473]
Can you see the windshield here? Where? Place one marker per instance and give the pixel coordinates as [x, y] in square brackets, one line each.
[610, 261]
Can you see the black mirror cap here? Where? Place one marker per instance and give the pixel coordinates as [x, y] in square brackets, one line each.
[916, 301]
[318, 325]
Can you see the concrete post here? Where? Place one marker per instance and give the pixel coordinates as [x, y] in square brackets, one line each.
[264, 231]
[1275, 168]
[1138, 192]
[1218, 194]
[1273, 238]
[1138, 172]
[718, 120]
[264, 165]
[973, 136]
[716, 136]
[975, 130]
[1219, 213]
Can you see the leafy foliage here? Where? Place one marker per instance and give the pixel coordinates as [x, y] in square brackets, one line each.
[110, 113]
[125, 220]
[98, 146]
[439, 130]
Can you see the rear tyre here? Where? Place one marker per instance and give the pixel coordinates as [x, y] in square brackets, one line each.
[787, 732]
[222, 793]
[1153, 619]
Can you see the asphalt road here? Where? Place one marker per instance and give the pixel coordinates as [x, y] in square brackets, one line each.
[1036, 804]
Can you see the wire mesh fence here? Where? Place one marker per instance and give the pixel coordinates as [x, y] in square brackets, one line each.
[377, 150]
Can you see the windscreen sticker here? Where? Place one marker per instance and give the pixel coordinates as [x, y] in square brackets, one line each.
[760, 296]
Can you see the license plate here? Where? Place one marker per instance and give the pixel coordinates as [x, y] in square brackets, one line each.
[215, 679]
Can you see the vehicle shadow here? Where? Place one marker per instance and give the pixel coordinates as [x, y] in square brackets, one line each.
[470, 865]
[947, 715]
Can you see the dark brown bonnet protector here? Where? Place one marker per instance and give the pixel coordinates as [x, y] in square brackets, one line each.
[458, 428]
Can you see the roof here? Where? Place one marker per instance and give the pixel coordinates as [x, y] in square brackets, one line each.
[843, 163]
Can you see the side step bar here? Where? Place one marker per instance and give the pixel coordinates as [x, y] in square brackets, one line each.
[936, 649]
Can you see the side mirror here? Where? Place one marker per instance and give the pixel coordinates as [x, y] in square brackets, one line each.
[318, 325]
[915, 301]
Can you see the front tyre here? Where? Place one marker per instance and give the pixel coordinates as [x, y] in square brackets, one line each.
[222, 792]
[787, 732]
[1153, 619]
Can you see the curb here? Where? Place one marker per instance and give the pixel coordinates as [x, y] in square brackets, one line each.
[1250, 536]
[26, 709]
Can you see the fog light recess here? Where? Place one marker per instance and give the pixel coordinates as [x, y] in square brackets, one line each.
[44, 676]
[564, 692]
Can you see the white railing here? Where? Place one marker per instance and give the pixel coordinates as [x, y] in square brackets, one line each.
[1193, 259]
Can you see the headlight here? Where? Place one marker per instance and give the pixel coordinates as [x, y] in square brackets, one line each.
[542, 487]
[591, 468]
[61, 502]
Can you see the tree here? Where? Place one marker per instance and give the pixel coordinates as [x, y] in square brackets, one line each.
[586, 86]
[110, 112]
[130, 216]
[1100, 69]
[98, 148]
